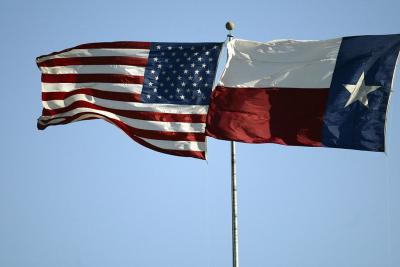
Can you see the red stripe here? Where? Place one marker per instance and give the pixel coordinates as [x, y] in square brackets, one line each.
[127, 45]
[117, 96]
[267, 115]
[131, 131]
[86, 78]
[132, 61]
[140, 115]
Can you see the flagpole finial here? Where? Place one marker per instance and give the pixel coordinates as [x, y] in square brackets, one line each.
[229, 26]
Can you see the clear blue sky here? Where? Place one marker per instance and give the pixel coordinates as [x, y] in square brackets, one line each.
[85, 194]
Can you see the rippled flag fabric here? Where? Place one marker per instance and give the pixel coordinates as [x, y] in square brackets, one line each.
[332, 93]
[157, 93]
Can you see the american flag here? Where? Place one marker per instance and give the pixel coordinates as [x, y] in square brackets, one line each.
[157, 93]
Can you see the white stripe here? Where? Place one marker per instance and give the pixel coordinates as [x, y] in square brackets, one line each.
[121, 105]
[110, 87]
[101, 52]
[177, 145]
[53, 121]
[183, 127]
[94, 69]
[280, 64]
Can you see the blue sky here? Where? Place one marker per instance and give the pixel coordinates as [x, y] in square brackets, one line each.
[85, 194]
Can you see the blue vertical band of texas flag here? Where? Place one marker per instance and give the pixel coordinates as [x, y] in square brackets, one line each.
[180, 73]
[355, 114]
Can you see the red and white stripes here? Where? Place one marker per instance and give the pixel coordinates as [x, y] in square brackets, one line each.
[104, 80]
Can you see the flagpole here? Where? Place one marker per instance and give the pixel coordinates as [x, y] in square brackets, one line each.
[235, 249]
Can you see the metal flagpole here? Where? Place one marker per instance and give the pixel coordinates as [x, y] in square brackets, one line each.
[235, 250]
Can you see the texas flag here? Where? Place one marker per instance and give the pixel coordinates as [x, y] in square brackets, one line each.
[332, 93]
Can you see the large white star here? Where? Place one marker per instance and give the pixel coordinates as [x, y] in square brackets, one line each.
[359, 91]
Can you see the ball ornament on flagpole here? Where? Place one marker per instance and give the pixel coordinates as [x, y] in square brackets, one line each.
[229, 25]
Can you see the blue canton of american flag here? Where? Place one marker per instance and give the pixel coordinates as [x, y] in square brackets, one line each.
[178, 73]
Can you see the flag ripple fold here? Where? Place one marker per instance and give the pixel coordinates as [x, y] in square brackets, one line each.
[332, 93]
[157, 93]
